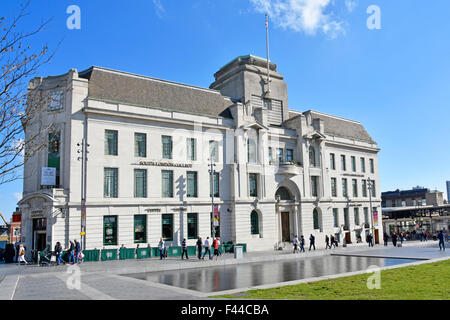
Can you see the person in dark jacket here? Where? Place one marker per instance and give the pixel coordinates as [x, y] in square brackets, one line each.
[199, 247]
[394, 239]
[332, 241]
[312, 240]
[77, 251]
[70, 252]
[385, 238]
[327, 242]
[302, 244]
[441, 237]
[58, 253]
[184, 249]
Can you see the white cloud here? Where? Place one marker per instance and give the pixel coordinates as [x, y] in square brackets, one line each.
[351, 5]
[159, 8]
[17, 195]
[308, 16]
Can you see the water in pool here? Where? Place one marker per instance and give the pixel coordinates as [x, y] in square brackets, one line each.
[221, 278]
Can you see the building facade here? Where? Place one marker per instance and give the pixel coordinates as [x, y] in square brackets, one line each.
[152, 144]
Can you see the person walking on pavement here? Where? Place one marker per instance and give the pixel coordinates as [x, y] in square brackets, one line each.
[58, 253]
[441, 237]
[199, 247]
[332, 241]
[327, 242]
[207, 249]
[295, 243]
[21, 255]
[370, 240]
[70, 252]
[385, 238]
[216, 248]
[302, 244]
[77, 251]
[312, 242]
[161, 248]
[184, 248]
[394, 239]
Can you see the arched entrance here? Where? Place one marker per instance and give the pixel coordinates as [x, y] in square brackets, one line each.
[286, 211]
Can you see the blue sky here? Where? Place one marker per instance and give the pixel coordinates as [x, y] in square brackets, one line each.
[395, 80]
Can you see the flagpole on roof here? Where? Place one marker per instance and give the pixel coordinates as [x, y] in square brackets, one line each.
[267, 45]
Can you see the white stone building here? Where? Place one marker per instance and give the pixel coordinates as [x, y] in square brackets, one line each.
[279, 172]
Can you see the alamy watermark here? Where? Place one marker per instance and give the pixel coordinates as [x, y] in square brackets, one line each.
[374, 281]
[73, 282]
[374, 20]
[74, 20]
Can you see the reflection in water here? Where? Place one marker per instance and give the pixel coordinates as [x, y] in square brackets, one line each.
[215, 279]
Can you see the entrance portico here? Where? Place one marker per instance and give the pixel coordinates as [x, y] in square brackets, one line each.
[287, 214]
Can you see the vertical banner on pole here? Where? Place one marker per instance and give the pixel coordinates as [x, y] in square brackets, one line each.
[216, 215]
[375, 217]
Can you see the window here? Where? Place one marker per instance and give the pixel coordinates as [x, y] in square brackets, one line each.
[110, 182]
[167, 147]
[364, 188]
[140, 229]
[346, 220]
[344, 188]
[140, 183]
[333, 187]
[56, 100]
[316, 219]
[356, 213]
[267, 104]
[314, 186]
[289, 155]
[191, 149]
[253, 184]
[363, 165]
[254, 222]
[167, 227]
[374, 193]
[251, 151]
[110, 230]
[192, 225]
[312, 156]
[332, 161]
[353, 159]
[214, 150]
[280, 155]
[343, 164]
[335, 217]
[355, 187]
[372, 167]
[140, 145]
[270, 154]
[366, 215]
[214, 183]
[111, 142]
[54, 157]
[192, 184]
[167, 183]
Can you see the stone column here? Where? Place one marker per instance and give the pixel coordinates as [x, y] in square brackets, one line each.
[295, 220]
[280, 234]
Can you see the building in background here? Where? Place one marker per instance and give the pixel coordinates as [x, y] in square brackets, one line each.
[278, 172]
[414, 211]
[15, 226]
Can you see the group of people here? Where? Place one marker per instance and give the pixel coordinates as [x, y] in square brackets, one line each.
[206, 245]
[74, 253]
[299, 244]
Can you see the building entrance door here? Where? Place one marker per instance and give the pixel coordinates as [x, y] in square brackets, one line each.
[377, 239]
[41, 241]
[348, 238]
[285, 227]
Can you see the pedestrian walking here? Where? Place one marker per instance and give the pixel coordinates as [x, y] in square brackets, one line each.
[77, 251]
[302, 244]
[216, 243]
[327, 242]
[312, 240]
[385, 238]
[58, 253]
[184, 249]
[394, 239]
[370, 240]
[199, 247]
[161, 248]
[332, 241]
[21, 255]
[207, 249]
[295, 242]
[441, 237]
[70, 252]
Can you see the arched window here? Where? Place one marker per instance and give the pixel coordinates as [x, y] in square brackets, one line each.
[283, 193]
[316, 219]
[312, 156]
[254, 222]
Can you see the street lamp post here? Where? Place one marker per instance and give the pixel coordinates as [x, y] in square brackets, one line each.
[212, 173]
[370, 187]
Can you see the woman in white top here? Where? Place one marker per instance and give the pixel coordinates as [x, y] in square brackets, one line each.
[22, 254]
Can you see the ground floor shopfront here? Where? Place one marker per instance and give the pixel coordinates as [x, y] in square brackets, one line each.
[262, 225]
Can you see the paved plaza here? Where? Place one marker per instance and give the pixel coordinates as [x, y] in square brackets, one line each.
[106, 280]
